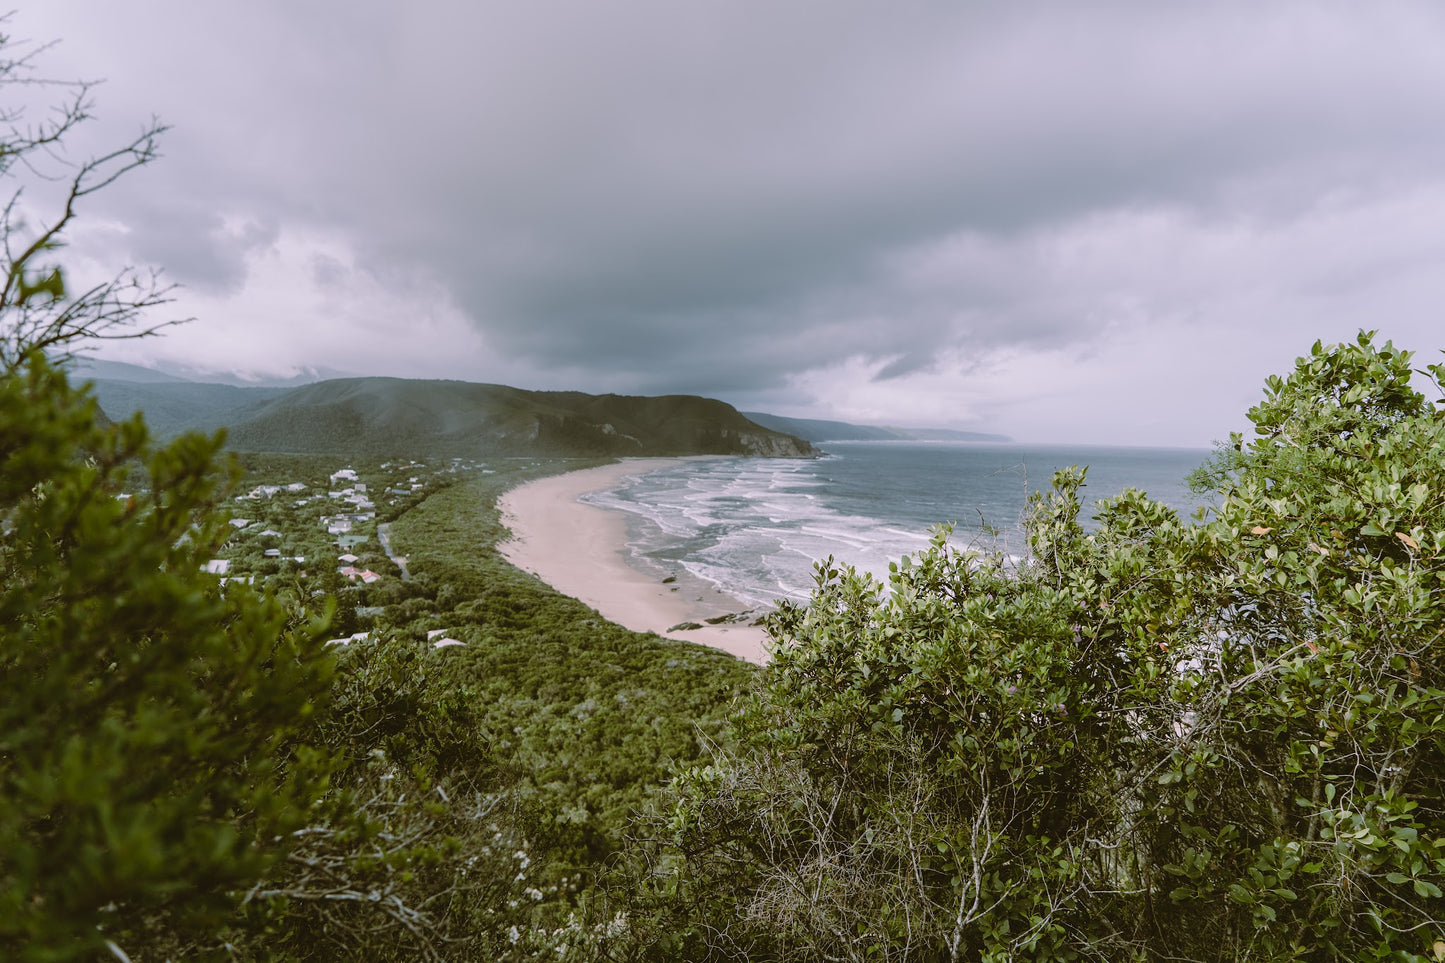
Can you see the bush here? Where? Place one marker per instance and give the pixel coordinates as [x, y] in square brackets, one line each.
[152, 734]
[1219, 739]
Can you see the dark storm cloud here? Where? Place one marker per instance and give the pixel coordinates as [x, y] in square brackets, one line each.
[716, 196]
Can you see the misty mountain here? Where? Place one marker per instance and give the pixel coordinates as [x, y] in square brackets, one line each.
[814, 430]
[172, 407]
[393, 416]
[87, 369]
[84, 369]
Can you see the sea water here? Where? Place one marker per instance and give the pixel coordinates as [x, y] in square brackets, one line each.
[756, 527]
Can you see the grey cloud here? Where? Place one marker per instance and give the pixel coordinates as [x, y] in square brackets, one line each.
[196, 246]
[713, 195]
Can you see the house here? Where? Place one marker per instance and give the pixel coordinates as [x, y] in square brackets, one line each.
[345, 474]
[217, 566]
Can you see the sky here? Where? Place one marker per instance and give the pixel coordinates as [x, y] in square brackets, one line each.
[1098, 223]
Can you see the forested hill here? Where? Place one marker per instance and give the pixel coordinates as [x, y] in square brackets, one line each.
[363, 416]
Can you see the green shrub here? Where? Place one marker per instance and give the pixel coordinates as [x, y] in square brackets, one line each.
[1208, 740]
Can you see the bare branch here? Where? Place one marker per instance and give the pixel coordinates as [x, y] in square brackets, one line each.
[37, 312]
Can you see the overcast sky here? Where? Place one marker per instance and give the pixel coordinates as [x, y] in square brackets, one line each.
[1098, 222]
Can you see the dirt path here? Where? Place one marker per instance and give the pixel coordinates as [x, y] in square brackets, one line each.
[383, 535]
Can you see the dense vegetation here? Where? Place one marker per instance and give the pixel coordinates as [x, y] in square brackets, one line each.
[1157, 740]
[1154, 739]
[188, 765]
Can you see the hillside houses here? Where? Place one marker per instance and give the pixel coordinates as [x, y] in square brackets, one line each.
[343, 523]
[288, 522]
[270, 491]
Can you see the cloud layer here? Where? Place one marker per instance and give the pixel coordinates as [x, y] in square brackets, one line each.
[1066, 223]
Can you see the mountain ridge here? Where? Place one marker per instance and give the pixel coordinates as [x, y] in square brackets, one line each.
[815, 430]
[384, 416]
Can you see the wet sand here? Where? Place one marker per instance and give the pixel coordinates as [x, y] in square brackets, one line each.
[580, 550]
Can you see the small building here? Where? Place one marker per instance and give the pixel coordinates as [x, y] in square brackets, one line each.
[352, 573]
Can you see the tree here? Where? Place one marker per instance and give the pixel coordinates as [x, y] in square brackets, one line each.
[185, 769]
[39, 311]
[153, 735]
[154, 728]
[1152, 739]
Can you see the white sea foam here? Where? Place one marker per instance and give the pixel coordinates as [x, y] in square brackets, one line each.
[756, 529]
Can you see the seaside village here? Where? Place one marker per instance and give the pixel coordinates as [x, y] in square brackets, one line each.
[334, 540]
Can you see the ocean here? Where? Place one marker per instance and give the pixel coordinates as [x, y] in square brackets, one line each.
[755, 527]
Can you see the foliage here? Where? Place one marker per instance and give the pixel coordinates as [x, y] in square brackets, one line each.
[1156, 740]
[416, 852]
[185, 771]
[481, 788]
[153, 731]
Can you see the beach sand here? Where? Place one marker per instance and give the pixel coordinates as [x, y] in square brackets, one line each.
[580, 550]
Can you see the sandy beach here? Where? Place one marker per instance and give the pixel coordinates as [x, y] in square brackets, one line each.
[580, 550]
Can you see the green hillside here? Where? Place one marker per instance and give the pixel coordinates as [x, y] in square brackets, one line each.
[380, 416]
[172, 407]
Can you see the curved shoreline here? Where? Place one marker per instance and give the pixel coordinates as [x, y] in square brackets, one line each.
[581, 550]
